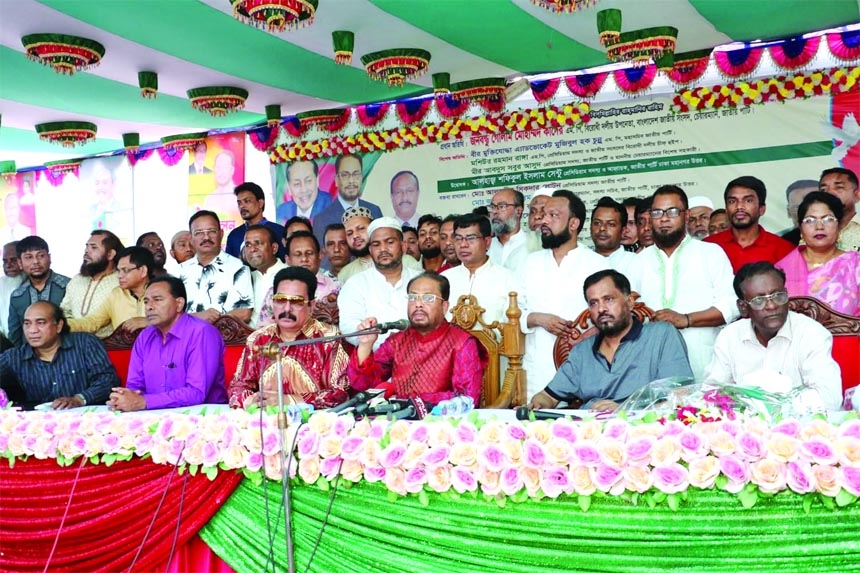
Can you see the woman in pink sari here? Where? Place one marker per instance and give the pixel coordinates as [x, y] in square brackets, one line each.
[818, 268]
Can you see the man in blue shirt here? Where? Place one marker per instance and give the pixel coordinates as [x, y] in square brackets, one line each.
[65, 369]
[624, 356]
[251, 202]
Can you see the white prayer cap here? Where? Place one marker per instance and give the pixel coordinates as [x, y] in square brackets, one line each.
[384, 223]
[700, 201]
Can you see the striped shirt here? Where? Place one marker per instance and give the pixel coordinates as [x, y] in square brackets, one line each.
[80, 366]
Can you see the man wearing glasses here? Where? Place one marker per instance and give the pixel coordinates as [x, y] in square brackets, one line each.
[432, 359]
[349, 177]
[312, 373]
[217, 283]
[773, 348]
[510, 244]
[688, 282]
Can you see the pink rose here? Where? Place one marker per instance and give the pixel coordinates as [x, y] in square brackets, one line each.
[309, 469]
[850, 480]
[737, 470]
[415, 479]
[418, 433]
[511, 481]
[309, 444]
[534, 453]
[671, 478]
[330, 467]
[352, 447]
[818, 451]
[769, 475]
[342, 425]
[392, 455]
[439, 478]
[466, 431]
[374, 474]
[850, 428]
[799, 477]
[703, 472]
[564, 430]
[491, 457]
[616, 429]
[435, 456]
[585, 453]
[639, 450]
[673, 428]
[604, 477]
[395, 480]
[827, 480]
[555, 481]
[750, 446]
[463, 480]
[637, 478]
[580, 476]
[516, 431]
[731, 427]
[211, 454]
[253, 460]
[110, 444]
[787, 427]
[378, 428]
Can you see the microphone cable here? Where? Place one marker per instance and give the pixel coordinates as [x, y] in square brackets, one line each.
[325, 518]
[65, 513]
[178, 522]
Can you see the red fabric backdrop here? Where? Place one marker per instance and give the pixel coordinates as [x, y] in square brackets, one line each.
[108, 515]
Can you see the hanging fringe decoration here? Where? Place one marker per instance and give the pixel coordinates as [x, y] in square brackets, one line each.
[372, 113]
[273, 115]
[293, 126]
[844, 45]
[738, 63]
[148, 82]
[544, 90]
[170, 156]
[689, 66]
[344, 43]
[332, 120]
[413, 111]
[450, 108]
[135, 156]
[795, 53]
[585, 85]
[264, 137]
[634, 80]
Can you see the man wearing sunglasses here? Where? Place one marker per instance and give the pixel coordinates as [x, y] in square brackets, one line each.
[773, 348]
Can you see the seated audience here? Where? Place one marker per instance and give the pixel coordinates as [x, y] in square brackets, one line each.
[794, 194]
[41, 284]
[13, 276]
[624, 356]
[608, 221]
[773, 348]
[54, 365]
[177, 360]
[336, 248]
[700, 214]
[153, 243]
[124, 305]
[312, 373]
[718, 222]
[746, 241]
[432, 359]
[380, 291]
[261, 249]
[842, 184]
[251, 202]
[216, 283]
[820, 268]
[97, 278]
[446, 243]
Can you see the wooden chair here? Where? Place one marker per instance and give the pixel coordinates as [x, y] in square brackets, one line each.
[500, 339]
[326, 310]
[846, 335]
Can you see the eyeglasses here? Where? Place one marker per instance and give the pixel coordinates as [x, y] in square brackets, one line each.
[825, 220]
[499, 206]
[294, 300]
[671, 212]
[426, 298]
[205, 233]
[759, 302]
[466, 238]
[123, 272]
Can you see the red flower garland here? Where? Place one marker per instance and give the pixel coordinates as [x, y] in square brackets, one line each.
[449, 107]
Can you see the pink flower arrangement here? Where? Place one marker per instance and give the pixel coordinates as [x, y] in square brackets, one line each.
[661, 460]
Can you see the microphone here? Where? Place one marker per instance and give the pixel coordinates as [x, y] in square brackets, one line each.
[384, 327]
[416, 410]
[387, 407]
[385, 389]
[523, 413]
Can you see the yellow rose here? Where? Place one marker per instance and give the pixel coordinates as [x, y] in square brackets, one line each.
[399, 431]
[704, 471]
[414, 451]
[352, 471]
[558, 451]
[591, 430]
[322, 422]
[309, 469]
[612, 452]
[370, 454]
[826, 481]
[636, 479]
[666, 451]
[581, 479]
[330, 446]
[439, 478]
[463, 454]
[539, 430]
[490, 433]
[233, 457]
[782, 447]
[722, 443]
[768, 474]
[513, 451]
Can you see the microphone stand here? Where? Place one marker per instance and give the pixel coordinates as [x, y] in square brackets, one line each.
[272, 351]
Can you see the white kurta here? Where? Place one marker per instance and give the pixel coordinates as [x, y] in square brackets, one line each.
[490, 284]
[370, 294]
[262, 283]
[624, 262]
[512, 254]
[696, 277]
[556, 289]
[800, 351]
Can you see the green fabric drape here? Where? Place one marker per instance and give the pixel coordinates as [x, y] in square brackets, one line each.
[367, 532]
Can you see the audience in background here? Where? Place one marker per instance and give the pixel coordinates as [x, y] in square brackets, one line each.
[13, 276]
[700, 214]
[336, 248]
[608, 220]
[535, 215]
[410, 242]
[446, 242]
[97, 278]
[261, 248]
[153, 243]
[719, 222]
[428, 242]
[509, 247]
[251, 201]
[643, 224]
[181, 247]
[630, 234]
[842, 184]
[794, 194]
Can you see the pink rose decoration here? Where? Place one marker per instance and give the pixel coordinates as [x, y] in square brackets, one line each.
[692, 444]
[395, 480]
[827, 480]
[850, 480]
[164, 429]
[731, 427]
[463, 480]
[799, 477]
[309, 444]
[673, 428]
[110, 444]
[253, 460]
[392, 455]
[555, 481]
[788, 427]
[818, 451]
[491, 457]
[352, 447]
[418, 433]
[534, 453]
[750, 446]
[415, 479]
[737, 471]
[511, 481]
[671, 478]
[703, 472]
[586, 453]
[211, 454]
[377, 428]
[466, 432]
[639, 450]
[516, 431]
[616, 429]
[342, 425]
[374, 474]
[604, 477]
[769, 475]
[435, 456]
[564, 430]
[329, 467]
[850, 428]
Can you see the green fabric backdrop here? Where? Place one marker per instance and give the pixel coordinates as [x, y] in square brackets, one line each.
[367, 532]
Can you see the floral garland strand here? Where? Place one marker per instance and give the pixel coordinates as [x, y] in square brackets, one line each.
[767, 90]
[404, 137]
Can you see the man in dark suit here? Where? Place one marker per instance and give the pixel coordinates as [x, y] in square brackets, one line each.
[349, 176]
[198, 167]
[308, 200]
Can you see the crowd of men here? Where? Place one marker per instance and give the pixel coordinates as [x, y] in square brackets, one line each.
[697, 267]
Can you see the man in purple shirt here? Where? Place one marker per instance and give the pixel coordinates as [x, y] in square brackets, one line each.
[177, 360]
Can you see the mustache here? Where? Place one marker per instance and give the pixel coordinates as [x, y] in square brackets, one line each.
[286, 314]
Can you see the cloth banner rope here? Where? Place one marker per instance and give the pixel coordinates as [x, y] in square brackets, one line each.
[109, 513]
[368, 532]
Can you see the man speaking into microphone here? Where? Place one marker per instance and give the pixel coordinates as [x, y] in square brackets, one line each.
[432, 359]
[313, 373]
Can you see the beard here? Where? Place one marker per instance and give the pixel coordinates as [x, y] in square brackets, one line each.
[360, 253]
[750, 222]
[670, 239]
[93, 268]
[504, 226]
[554, 241]
[395, 263]
[430, 253]
[617, 327]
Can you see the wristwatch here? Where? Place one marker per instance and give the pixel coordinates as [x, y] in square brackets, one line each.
[81, 396]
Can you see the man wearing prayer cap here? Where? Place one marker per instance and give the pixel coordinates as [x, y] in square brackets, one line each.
[356, 221]
[380, 291]
[700, 213]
